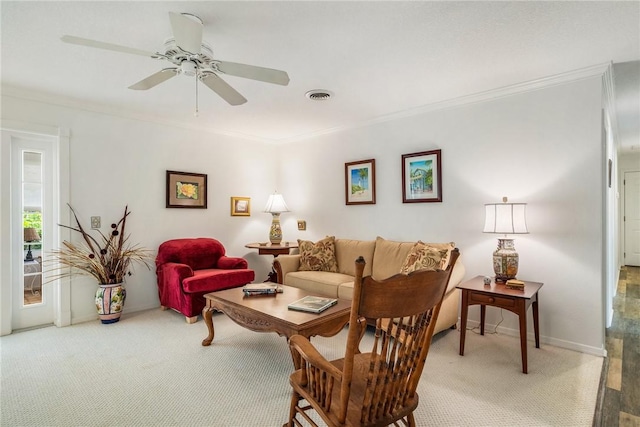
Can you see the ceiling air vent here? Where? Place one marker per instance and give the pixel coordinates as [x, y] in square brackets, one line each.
[318, 95]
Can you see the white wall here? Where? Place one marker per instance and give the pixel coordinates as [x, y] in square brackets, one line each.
[541, 147]
[117, 162]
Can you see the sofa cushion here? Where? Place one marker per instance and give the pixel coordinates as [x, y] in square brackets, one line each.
[423, 257]
[321, 283]
[319, 256]
[347, 251]
[388, 257]
[210, 280]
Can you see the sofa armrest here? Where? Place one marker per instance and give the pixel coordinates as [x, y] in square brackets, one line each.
[232, 263]
[285, 264]
[173, 272]
[456, 275]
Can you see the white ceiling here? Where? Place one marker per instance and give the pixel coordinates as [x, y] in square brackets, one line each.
[378, 58]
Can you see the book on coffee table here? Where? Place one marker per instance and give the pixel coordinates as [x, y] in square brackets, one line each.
[266, 288]
[312, 304]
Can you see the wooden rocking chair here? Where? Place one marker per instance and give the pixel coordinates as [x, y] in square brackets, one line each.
[376, 388]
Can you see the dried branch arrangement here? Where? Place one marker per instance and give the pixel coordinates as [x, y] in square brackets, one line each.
[107, 259]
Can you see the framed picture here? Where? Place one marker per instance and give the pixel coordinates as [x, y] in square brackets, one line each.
[240, 206]
[422, 177]
[360, 182]
[186, 190]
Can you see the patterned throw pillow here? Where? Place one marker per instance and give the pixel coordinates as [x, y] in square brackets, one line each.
[423, 257]
[319, 256]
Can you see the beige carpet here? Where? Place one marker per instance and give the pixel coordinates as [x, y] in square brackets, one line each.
[150, 370]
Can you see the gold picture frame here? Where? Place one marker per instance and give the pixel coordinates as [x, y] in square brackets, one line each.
[240, 206]
[186, 190]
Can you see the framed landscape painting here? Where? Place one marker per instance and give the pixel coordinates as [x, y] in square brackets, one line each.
[360, 182]
[186, 190]
[422, 177]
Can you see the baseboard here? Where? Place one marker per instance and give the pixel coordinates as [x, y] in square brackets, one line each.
[569, 345]
[127, 309]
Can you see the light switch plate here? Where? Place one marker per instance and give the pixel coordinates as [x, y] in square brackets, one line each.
[95, 222]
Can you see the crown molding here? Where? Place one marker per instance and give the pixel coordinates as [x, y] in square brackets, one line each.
[67, 102]
[598, 70]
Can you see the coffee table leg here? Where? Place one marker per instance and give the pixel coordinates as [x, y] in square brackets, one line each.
[207, 315]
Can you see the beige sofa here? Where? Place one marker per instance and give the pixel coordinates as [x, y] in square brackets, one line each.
[384, 258]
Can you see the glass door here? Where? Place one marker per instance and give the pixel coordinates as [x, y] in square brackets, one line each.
[32, 171]
[32, 227]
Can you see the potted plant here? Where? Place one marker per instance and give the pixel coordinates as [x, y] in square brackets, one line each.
[108, 259]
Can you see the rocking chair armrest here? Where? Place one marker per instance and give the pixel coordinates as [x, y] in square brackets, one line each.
[309, 353]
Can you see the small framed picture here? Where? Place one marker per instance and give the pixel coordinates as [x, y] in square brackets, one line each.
[422, 177]
[360, 182]
[240, 206]
[186, 190]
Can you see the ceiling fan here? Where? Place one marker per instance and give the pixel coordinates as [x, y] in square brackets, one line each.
[191, 56]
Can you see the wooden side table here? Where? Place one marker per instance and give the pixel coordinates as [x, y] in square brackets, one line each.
[474, 291]
[270, 249]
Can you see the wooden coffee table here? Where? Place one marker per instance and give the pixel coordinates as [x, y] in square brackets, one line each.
[269, 313]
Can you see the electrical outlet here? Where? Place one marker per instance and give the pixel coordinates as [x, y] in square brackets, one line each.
[95, 222]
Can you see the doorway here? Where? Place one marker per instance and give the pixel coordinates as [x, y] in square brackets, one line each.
[632, 218]
[33, 189]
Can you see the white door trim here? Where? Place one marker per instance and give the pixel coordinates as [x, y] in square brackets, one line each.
[61, 289]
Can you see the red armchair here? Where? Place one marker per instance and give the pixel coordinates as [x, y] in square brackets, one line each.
[189, 268]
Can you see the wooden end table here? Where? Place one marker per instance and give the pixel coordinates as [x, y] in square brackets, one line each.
[275, 250]
[474, 291]
[269, 313]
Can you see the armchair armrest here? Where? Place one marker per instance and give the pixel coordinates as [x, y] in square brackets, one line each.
[232, 263]
[174, 272]
[285, 264]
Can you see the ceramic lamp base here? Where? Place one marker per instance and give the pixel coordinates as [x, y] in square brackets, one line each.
[505, 261]
[275, 232]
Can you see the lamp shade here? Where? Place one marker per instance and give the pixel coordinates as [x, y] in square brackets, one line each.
[276, 204]
[505, 218]
[31, 235]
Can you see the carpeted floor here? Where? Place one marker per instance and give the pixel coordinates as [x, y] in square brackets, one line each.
[150, 370]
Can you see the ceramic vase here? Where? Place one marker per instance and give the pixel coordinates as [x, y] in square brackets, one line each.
[110, 302]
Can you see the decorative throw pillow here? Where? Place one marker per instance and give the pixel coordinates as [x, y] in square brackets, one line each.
[423, 257]
[319, 256]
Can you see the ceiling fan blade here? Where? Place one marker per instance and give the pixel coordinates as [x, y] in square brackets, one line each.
[268, 75]
[155, 79]
[221, 87]
[107, 46]
[187, 32]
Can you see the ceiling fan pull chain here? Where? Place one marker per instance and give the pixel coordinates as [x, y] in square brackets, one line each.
[196, 79]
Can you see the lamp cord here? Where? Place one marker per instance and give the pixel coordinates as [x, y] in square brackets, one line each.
[476, 329]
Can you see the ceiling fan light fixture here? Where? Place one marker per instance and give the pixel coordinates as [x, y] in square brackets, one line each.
[319, 95]
[188, 68]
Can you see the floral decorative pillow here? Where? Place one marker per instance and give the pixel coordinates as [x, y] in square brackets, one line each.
[424, 257]
[319, 256]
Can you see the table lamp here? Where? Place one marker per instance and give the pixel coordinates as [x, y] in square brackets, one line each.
[30, 235]
[505, 218]
[275, 206]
